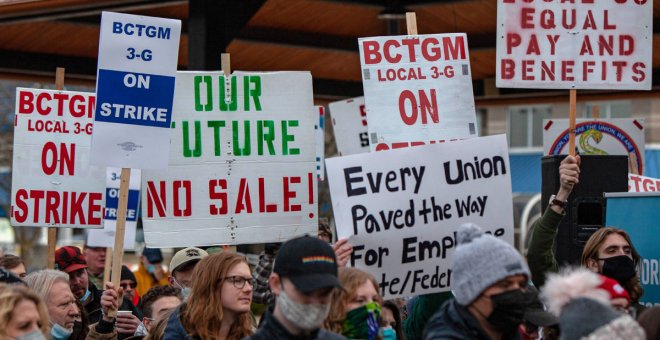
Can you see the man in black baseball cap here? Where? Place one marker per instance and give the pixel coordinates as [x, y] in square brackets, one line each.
[303, 278]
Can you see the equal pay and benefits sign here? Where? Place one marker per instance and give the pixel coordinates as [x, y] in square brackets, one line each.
[584, 44]
[418, 89]
[242, 162]
[135, 88]
[400, 209]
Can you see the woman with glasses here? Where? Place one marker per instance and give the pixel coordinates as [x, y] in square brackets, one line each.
[219, 303]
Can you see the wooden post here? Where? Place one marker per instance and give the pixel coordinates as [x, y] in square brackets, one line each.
[52, 231]
[411, 23]
[118, 253]
[108, 266]
[571, 120]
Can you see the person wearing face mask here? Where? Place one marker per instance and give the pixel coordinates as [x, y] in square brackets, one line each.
[489, 280]
[70, 260]
[303, 279]
[219, 303]
[391, 327]
[23, 315]
[355, 309]
[181, 268]
[150, 271]
[52, 287]
[610, 252]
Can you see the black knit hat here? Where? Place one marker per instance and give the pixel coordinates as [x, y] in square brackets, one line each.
[127, 274]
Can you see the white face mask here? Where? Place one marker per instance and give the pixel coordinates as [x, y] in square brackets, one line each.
[307, 317]
[185, 291]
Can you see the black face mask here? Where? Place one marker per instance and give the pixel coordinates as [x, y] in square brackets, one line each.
[508, 310]
[620, 268]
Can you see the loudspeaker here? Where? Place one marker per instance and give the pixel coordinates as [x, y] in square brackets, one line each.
[585, 211]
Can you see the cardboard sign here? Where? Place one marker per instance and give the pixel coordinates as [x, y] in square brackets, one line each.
[620, 136]
[242, 162]
[320, 143]
[418, 89]
[638, 214]
[106, 237]
[349, 123]
[53, 183]
[135, 84]
[637, 183]
[400, 209]
[602, 44]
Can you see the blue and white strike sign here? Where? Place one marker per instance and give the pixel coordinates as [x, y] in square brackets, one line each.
[134, 90]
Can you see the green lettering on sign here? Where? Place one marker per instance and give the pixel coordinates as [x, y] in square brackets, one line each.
[267, 137]
[254, 92]
[198, 98]
[216, 125]
[286, 138]
[186, 140]
[233, 104]
[238, 151]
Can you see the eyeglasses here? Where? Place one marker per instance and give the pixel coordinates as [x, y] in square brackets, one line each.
[239, 281]
[126, 285]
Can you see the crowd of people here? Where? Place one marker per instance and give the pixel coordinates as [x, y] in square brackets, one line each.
[309, 292]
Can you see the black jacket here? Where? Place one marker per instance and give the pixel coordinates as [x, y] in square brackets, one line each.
[454, 321]
[272, 329]
[93, 308]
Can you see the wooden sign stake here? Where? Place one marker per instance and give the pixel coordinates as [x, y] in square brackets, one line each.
[411, 23]
[52, 231]
[108, 265]
[118, 254]
[571, 120]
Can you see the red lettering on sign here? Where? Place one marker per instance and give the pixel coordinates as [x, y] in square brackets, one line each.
[186, 186]
[51, 158]
[221, 196]
[371, 54]
[638, 70]
[83, 208]
[156, 198]
[243, 202]
[263, 207]
[289, 194]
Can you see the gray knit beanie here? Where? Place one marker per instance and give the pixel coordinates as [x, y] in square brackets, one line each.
[480, 260]
[586, 318]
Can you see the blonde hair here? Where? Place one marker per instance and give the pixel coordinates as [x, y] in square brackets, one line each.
[10, 297]
[350, 279]
[42, 282]
[202, 315]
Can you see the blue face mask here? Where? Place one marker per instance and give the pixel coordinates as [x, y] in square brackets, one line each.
[387, 333]
[151, 269]
[86, 296]
[35, 335]
[60, 333]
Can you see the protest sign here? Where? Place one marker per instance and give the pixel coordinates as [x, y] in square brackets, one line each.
[637, 183]
[400, 209]
[418, 89]
[53, 183]
[135, 84]
[320, 143]
[587, 44]
[349, 123]
[242, 162]
[638, 214]
[106, 237]
[620, 136]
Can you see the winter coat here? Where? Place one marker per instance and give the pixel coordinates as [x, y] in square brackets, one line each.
[272, 329]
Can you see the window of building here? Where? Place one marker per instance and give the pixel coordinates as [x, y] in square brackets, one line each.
[610, 109]
[525, 127]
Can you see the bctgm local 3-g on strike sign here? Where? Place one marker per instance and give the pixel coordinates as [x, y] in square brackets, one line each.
[418, 89]
[242, 162]
[53, 184]
[135, 84]
[581, 44]
[400, 209]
